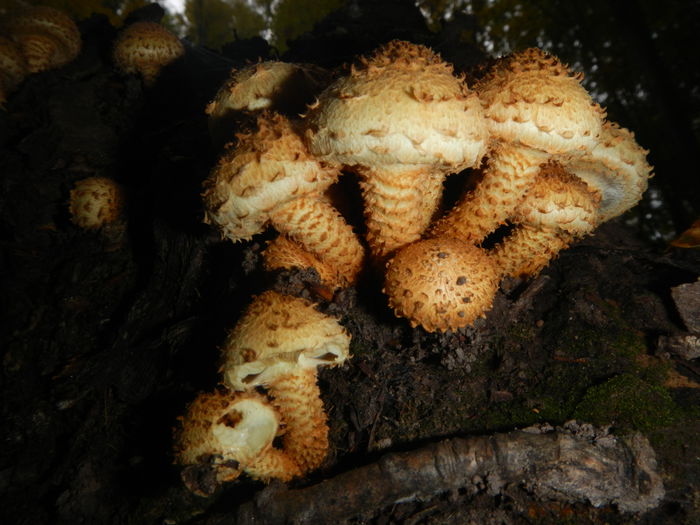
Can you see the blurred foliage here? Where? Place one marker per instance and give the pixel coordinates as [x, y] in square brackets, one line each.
[213, 23]
[115, 10]
[292, 18]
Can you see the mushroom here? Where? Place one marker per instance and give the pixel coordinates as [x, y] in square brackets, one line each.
[284, 253]
[95, 202]
[279, 343]
[146, 48]
[402, 121]
[13, 68]
[558, 209]
[535, 109]
[227, 433]
[270, 178]
[441, 283]
[272, 85]
[616, 168]
[47, 37]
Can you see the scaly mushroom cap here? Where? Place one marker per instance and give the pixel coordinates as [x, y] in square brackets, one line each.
[403, 121]
[274, 85]
[47, 37]
[279, 343]
[403, 105]
[267, 168]
[617, 168]
[229, 433]
[95, 202]
[532, 99]
[440, 283]
[145, 48]
[13, 68]
[279, 334]
[558, 208]
[535, 107]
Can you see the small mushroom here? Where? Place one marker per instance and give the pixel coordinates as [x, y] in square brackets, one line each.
[227, 433]
[272, 85]
[47, 37]
[146, 48]
[13, 68]
[270, 178]
[558, 209]
[282, 253]
[441, 283]
[535, 109]
[95, 202]
[279, 343]
[402, 121]
[616, 168]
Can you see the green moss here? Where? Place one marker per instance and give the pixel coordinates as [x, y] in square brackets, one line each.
[629, 403]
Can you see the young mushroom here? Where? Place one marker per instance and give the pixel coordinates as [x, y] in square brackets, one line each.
[225, 433]
[402, 121]
[279, 343]
[282, 253]
[146, 48]
[47, 37]
[558, 209]
[13, 68]
[441, 283]
[95, 202]
[272, 85]
[535, 108]
[270, 178]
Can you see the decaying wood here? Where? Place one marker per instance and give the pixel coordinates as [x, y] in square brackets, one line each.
[574, 463]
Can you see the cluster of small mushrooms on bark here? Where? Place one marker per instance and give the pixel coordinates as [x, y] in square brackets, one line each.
[38, 38]
[550, 164]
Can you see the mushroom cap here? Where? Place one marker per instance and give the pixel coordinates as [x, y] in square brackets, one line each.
[531, 98]
[95, 202]
[145, 48]
[227, 430]
[440, 283]
[279, 334]
[275, 85]
[13, 67]
[48, 37]
[559, 200]
[402, 106]
[617, 168]
[267, 168]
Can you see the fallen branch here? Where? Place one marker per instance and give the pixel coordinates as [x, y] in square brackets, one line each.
[574, 463]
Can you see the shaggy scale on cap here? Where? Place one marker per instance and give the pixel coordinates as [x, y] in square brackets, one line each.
[279, 343]
[402, 120]
[269, 178]
[535, 108]
[146, 48]
[441, 283]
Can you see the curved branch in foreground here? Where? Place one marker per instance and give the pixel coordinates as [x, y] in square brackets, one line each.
[573, 463]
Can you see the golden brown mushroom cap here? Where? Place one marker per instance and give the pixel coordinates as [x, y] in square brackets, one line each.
[47, 37]
[13, 67]
[277, 335]
[267, 168]
[403, 105]
[440, 283]
[617, 168]
[145, 48]
[532, 99]
[558, 208]
[95, 202]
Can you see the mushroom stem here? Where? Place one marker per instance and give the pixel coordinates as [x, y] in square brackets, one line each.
[509, 173]
[399, 204]
[321, 230]
[297, 397]
[273, 464]
[528, 250]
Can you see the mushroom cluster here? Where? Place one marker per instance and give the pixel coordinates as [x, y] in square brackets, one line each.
[35, 39]
[552, 168]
